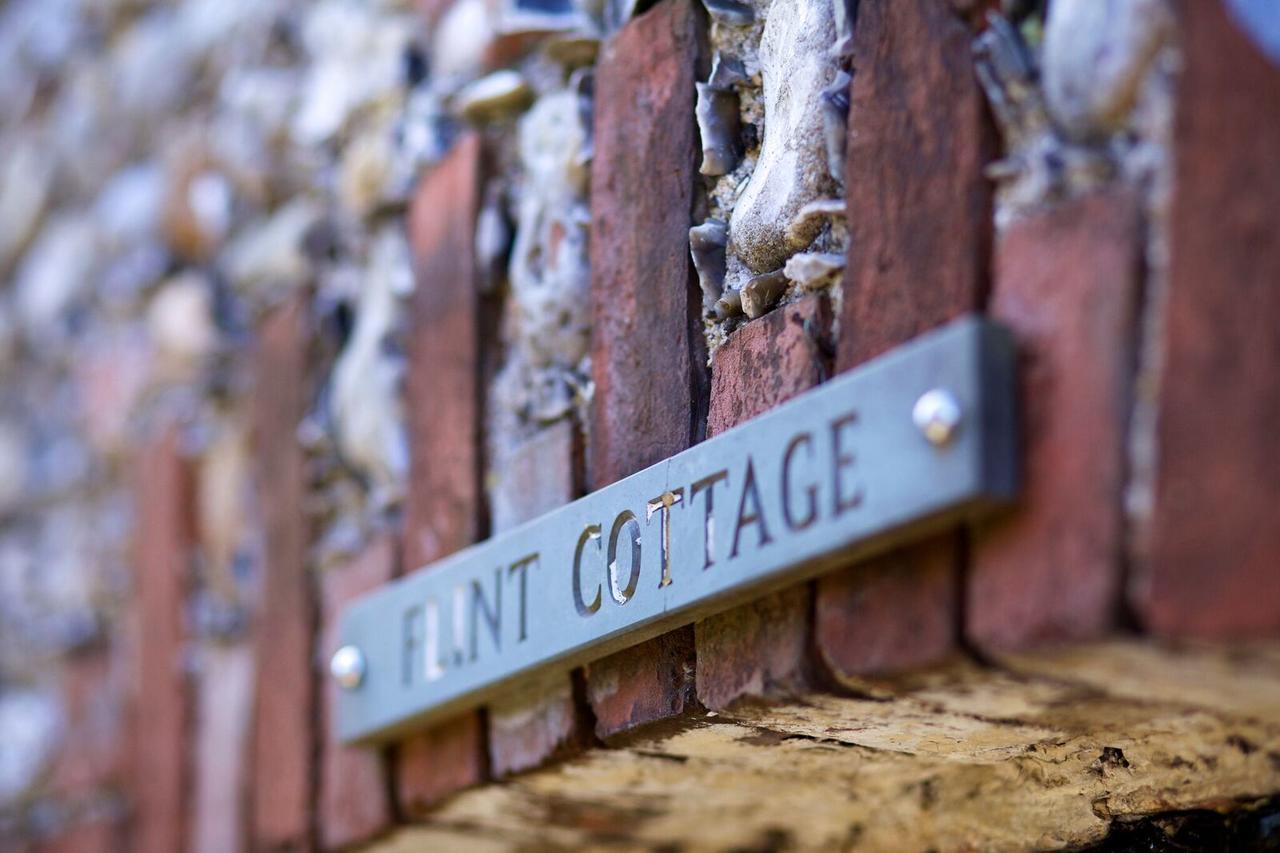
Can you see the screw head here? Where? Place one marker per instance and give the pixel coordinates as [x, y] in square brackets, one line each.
[347, 667]
[937, 414]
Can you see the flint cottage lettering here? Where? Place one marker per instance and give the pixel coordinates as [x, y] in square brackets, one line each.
[920, 437]
[607, 566]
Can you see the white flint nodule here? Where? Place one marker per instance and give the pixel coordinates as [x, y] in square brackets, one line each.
[796, 63]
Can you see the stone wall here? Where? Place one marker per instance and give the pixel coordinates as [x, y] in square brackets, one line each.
[301, 296]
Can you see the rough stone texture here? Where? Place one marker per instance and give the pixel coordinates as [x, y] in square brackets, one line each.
[1048, 752]
[544, 719]
[919, 219]
[163, 716]
[443, 400]
[762, 647]
[895, 611]
[283, 732]
[1067, 285]
[444, 508]
[919, 207]
[1213, 543]
[354, 801]
[644, 297]
[223, 715]
[643, 684]
[440, 762]
[646, 337]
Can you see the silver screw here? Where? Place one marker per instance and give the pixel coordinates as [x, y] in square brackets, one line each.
[347, 667]
[937, 414]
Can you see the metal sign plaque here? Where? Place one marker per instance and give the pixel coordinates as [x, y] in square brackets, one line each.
[919, 438]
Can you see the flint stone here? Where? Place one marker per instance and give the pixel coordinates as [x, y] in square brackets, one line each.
[792, 170]
[1096, 56]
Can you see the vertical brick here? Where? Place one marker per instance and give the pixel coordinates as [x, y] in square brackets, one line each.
[1066, 284]
[439, 762]
[223, 716]
[354, 803]
[444, 509]
[891, 612]
[1212, 561]
[162, 712]
[545, 718]
[919, 206]
[283, 726]
[643, 684]
[647, 360]
[644, 343]
[536, 477]
[762, 647]
[919, 220]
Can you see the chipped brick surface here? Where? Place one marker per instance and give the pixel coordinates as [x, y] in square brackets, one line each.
[643, 684]
[1066, 285]
[769, 361]
[283, 731]
[354, 803]
[1213, 542]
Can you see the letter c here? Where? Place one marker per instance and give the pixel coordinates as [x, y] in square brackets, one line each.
[591, 531]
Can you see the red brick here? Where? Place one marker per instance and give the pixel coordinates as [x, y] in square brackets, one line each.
[439, 762]
[1066, 284]
[757, 649]
[444, 507]
[536, 477]
[919, 223]
[162, 712]
[543, 719]
[223, 717]
[442, 393]
[353, 805]
[892, 612]
[94, 694]
[283, 728]
[769, 361]
[97, 836]
[762, 647]
[1212, 562]
[643, 684]
[645, 303]
[647, 345]
[919, 206]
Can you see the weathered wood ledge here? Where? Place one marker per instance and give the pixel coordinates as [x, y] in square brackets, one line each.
[1100, 745]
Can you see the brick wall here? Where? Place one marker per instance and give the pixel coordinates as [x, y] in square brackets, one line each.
[288, 355]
